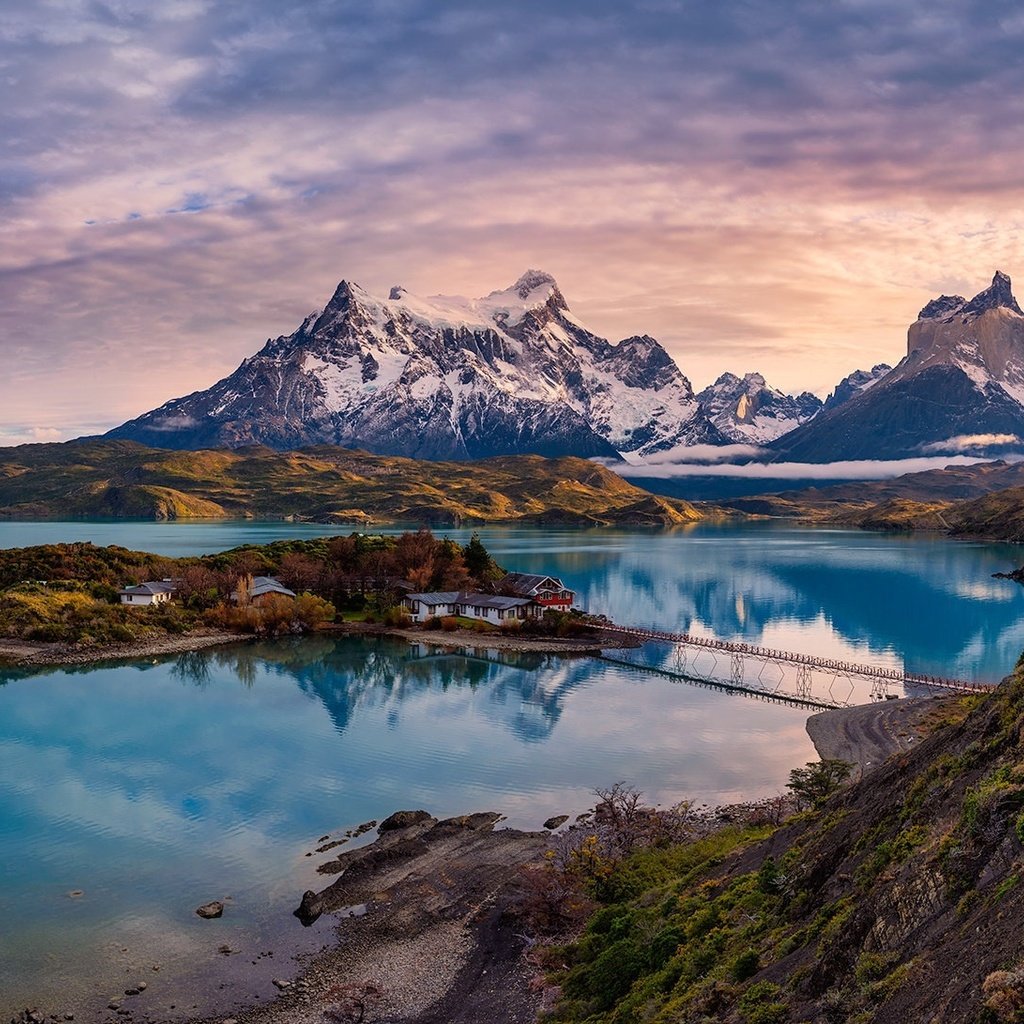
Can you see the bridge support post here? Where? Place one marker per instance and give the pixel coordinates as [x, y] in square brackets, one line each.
[681, 659]
[803, 681]
[736, 673]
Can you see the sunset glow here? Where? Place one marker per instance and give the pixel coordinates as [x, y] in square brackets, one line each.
[761, 187]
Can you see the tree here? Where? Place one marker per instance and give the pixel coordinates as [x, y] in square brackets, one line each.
[300, 572]
[478, 560]
[813, 784]
[310, 611]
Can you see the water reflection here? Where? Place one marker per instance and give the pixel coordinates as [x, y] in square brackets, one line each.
[929, 602]
[156, 785]
[923, 601]
[525, 692]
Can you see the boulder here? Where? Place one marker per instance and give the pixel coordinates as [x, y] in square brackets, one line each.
[210, 910]
[557, 821]
[403, 819]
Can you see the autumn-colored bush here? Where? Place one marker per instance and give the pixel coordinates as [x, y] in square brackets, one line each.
[1004, 994]
[72, 614]
[273, 615]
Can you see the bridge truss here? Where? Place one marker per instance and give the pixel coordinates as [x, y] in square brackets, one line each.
[788, 675]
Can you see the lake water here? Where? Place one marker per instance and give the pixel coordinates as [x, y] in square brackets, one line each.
[156, 785]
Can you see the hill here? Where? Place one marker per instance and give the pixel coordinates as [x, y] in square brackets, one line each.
[983, 500]
[324, 484]
[897, 900]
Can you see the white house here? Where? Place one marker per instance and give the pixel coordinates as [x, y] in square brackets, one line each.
[491, 608]
[547, 591]
[154, 592]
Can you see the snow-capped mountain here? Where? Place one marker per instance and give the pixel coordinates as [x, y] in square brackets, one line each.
[854, 384]
[443, 377]
[747, 411]
[960, 388]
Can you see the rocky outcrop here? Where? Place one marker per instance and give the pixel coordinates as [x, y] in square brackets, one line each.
[853, 384]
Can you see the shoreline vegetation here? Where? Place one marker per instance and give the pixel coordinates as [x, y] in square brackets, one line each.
[60, 603]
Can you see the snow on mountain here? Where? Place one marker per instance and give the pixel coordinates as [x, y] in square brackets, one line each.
[443, 377]
[959, 388]
[747, 411]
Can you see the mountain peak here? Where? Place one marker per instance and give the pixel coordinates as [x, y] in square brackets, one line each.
[531, 281]
[998, 295]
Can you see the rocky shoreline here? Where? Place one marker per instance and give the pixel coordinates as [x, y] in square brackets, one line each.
[33, 653]
[29, 652]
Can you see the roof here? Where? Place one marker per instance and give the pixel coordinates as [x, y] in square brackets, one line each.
[150, 589]
[494, 601]
[527, 583]
[474, 599]
[268, 585]
[435, 597]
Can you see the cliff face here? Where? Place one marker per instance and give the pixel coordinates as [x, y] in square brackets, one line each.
[900, 900]
[959, 389]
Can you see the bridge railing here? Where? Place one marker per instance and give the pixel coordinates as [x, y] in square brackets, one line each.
[838, 666]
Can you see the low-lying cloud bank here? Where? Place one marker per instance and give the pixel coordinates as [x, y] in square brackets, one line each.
[698, 453]
[967, 442]
[862, 469]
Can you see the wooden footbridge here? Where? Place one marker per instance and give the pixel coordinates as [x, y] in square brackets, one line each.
[766, 671]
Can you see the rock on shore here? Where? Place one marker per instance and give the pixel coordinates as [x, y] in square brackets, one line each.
[426, 931]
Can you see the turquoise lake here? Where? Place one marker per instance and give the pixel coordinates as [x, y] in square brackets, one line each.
[155, 785]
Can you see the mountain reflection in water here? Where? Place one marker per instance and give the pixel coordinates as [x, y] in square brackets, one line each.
[525, 691]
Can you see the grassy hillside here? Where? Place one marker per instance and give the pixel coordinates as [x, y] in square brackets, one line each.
[124, 479]
[999, 515]
[986, 500]
[899, 900]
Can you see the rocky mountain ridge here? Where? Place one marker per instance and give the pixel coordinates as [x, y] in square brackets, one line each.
[747, 411]
[516, 372]
[958, 390]
[446, 377]
[443, 377]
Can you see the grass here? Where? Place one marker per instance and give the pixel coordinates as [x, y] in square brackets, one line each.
[121, 478]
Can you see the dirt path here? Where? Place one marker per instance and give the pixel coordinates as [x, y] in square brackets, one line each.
[869, 734]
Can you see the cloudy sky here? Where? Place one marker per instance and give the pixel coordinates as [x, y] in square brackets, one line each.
[760, 185]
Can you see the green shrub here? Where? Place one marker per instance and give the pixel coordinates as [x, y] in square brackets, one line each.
[745, 966]
[610, 976]
[759, 1004]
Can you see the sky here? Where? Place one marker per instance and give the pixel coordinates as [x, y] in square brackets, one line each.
[760, 185]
